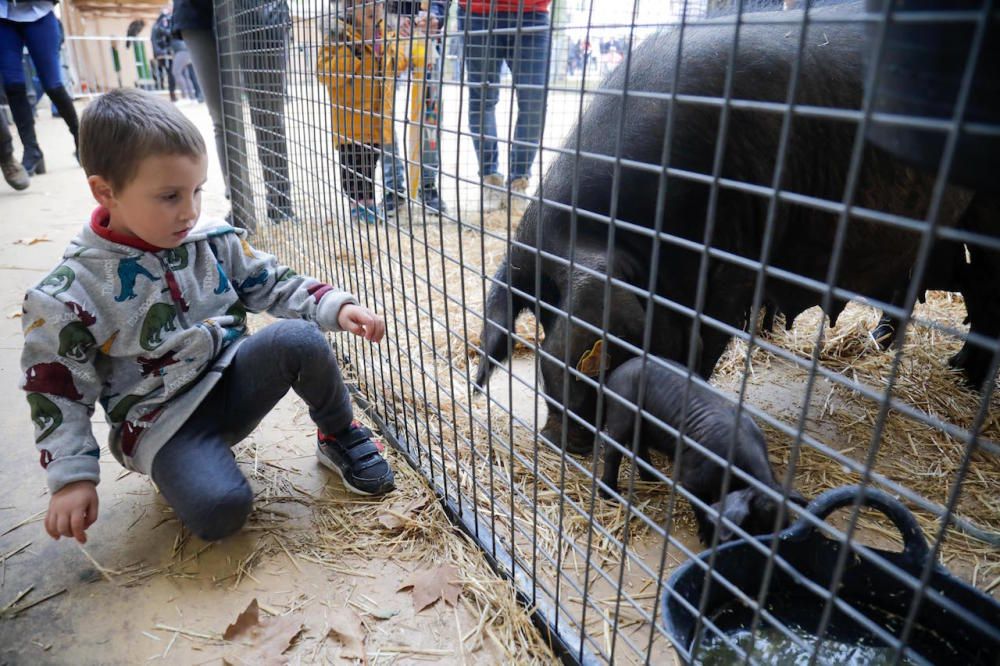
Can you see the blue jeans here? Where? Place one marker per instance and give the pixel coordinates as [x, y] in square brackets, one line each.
[523, 43]
[42, 39]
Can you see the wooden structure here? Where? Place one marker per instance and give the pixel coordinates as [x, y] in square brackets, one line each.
[97, 51]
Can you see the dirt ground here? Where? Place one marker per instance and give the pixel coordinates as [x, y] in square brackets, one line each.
[142, 591]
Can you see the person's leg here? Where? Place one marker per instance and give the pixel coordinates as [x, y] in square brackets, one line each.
[430, 147]
[349, 181]
[193, 77]
[529, 68]
[357, 171]
[168, 63]
[197, 474]
[288, 354]
[42, 39]
[67, 111]
[13, 172]
[393, 169]
[264, 56]
[6, 140]
[181, 60]
[15, 88]
[482, 70]
[205, 58]
[296, 354]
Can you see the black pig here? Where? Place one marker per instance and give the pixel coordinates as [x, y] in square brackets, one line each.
[711, 421]
[876, 258]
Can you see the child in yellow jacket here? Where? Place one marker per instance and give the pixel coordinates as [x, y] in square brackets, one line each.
[358, 68]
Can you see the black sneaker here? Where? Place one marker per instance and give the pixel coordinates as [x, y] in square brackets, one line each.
[432, 200]
[392, 203]
[357, 457]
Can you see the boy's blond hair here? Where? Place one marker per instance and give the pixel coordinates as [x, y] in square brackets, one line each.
[121, 128]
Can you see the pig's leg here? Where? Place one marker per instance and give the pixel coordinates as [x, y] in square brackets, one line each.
[500, 315]
[645, 474]
[980, 286]
[612, 465]
[620, 420]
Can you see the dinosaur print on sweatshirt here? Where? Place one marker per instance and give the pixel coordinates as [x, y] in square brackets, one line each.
[51, 378]
[81, 313]
[156, 365]
[223, 281]
[58, 281]
[256, 280]
[129, 270]
[176, 258]
[46, 417]
[160, 319]
[76, 341]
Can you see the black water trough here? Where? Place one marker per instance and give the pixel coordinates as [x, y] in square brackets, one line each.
[940, 635]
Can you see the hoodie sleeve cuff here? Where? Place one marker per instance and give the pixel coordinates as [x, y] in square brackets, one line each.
[63, 471]
[329, 307]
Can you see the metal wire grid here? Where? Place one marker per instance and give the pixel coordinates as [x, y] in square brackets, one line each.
[401, 269]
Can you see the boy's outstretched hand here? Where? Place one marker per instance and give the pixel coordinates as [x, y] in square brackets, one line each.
[72, 509]
[362, 322]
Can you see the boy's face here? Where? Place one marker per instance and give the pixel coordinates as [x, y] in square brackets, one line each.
[368, 17]
[161, 204]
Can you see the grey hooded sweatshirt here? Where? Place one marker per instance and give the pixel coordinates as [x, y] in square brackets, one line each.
[146, 332]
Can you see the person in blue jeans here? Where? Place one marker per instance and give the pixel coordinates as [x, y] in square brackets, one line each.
[515, 32]
[32, 23]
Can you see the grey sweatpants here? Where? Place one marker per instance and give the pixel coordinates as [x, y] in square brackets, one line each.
[196, 471]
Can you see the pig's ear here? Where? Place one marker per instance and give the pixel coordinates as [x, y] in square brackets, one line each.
[736, 507]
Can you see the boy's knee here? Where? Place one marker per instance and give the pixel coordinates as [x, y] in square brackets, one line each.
[223, 515]
[304, 337]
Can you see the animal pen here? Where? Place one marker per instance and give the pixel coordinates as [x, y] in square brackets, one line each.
[752, 204]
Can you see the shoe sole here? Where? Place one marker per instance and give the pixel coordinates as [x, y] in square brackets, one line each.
[347, 484]
[18, 185]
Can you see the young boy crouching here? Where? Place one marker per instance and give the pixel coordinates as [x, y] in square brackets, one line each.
[148, 316]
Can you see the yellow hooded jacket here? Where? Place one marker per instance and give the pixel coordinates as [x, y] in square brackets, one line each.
[361, 84]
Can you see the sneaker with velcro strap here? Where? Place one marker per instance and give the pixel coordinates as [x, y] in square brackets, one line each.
[356, 455]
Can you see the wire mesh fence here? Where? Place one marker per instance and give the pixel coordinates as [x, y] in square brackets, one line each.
[656, 275]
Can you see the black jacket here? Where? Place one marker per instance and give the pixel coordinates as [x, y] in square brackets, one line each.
[160, 36]
[199, 14]
[193, 15]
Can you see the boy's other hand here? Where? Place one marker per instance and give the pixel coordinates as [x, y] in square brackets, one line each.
[425, 23]
[405, 28]
[361, 322]
[72, 509]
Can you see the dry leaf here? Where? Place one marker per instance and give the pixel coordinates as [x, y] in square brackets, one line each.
[433, 584]
[33, 240]
[14, 315]
[244, 621]
[260, 641]
[346, 627]
[398, 515]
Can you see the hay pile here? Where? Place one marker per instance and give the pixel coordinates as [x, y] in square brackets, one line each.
[911, 452]
[429, 283]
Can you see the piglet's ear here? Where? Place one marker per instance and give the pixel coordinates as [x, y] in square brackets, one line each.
[736, 507]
